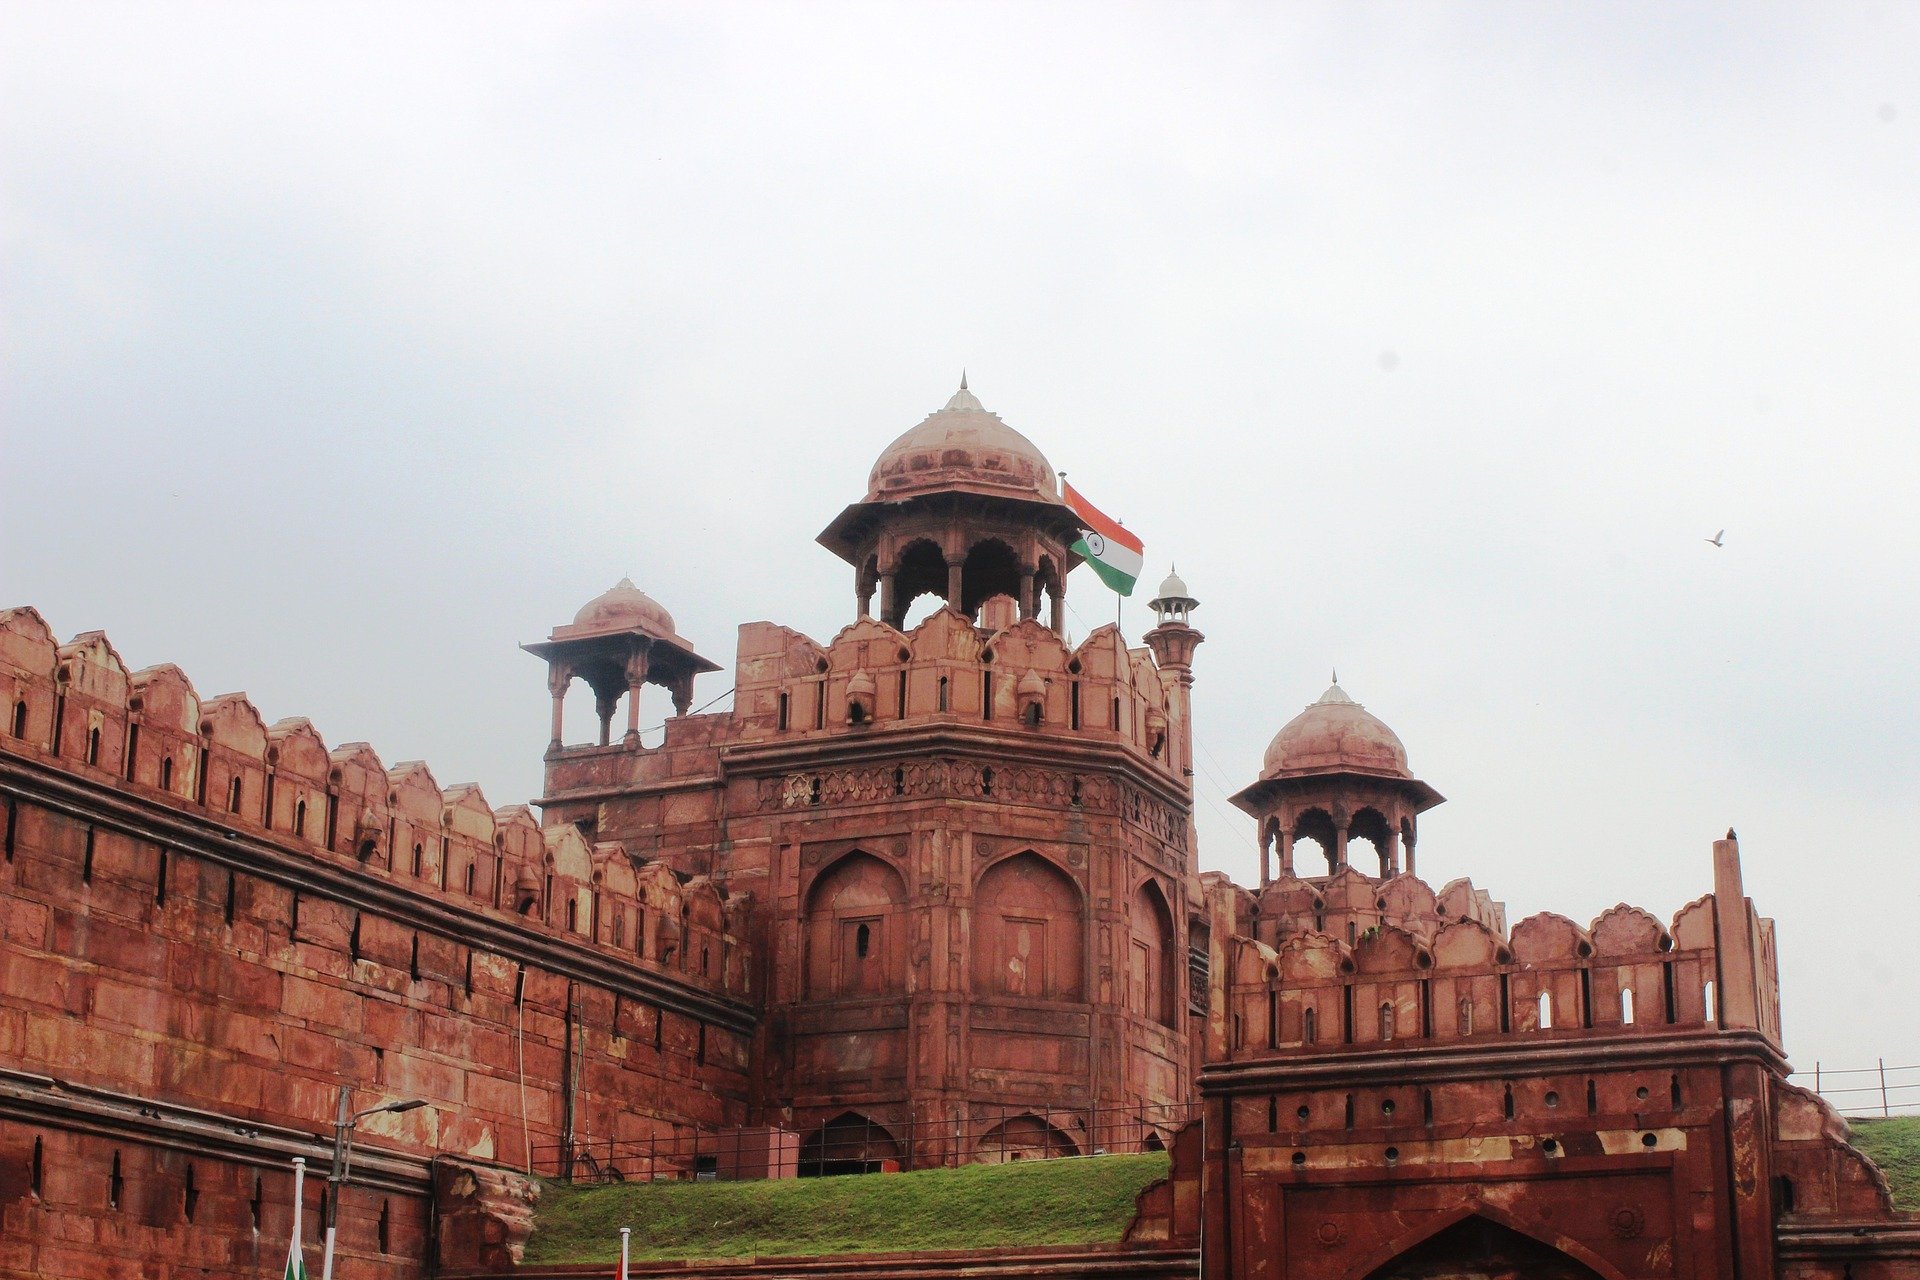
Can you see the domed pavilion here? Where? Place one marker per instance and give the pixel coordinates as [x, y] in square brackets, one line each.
[962, 507]
[1334, 773]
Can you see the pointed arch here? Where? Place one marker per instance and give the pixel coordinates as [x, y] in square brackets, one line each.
[1473, 1231]
[1023, 1137]
[855, 929]
[1152, 987]
[1028, 931]
[851, 1142]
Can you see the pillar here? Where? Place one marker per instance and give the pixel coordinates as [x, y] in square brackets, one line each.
[1339, 847]
[1029, 602]
[1058, 620]
[605, 702]
[682, 691]
[636, 677]
[1286, 852]
[887, 613]
[955, 573]
[1390, 853]
[559, 676]
[1266, 859]
[862, 602]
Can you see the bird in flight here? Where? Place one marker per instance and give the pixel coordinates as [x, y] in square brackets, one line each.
[1719, 539]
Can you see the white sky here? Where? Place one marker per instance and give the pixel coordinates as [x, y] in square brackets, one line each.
[344, 348]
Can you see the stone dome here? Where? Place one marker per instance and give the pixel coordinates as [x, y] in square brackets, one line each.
[962, 446]
[1334, 734]
[623, 607]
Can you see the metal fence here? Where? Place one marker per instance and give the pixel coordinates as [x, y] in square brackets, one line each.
[1879, 1090]
[855, 1144]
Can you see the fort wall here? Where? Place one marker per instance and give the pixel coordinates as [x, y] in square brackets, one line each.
[208, 923]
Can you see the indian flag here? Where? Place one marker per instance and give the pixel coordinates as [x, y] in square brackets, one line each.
[1111, 550]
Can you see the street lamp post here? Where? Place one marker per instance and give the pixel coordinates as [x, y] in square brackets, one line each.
[343, 1125]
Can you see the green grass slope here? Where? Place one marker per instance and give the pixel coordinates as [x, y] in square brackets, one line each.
[1894, 1145]
[1039, 1202]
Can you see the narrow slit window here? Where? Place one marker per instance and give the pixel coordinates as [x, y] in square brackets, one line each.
[786, 707]
[1546, 1011]
[862, 941]
[133, 750]
[93, 745]
[1626, 1005]
[233, 795]
[300, 818]
[20, 718]
[1706, 999]
[943, 693]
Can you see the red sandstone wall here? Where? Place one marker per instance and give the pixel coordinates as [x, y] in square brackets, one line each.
[242, 926]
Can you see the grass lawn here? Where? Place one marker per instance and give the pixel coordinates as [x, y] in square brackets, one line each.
[1894, 1145]
[1075, 1201]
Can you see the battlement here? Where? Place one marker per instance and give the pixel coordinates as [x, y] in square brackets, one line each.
[78, 707]
[1351, 961]
[1022, 677]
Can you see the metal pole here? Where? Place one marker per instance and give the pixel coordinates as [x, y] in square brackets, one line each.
[624, 1233]
[1884, 1109]
[343, 1118]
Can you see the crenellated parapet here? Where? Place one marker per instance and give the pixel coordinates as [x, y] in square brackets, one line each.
[1352, 961]
[77, 707]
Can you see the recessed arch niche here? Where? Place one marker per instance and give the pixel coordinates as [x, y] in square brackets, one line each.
[1028, 932]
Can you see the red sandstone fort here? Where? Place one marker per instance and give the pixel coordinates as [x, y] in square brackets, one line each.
[920, 897]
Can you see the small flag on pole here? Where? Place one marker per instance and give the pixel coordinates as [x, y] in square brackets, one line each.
[1111, 550]
[296, 1256]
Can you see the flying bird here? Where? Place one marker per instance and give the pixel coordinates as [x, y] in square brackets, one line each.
[1719, 539]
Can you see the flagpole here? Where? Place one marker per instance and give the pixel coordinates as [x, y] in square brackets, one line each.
[624, 1233]
[296, 1256]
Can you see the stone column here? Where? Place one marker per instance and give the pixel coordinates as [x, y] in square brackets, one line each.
[1058, 620]
[605, 703]
[636, 677]
[1340, 847]
[1029, 600]
[682, 691]
[887, 614]
[559, 676]
[954, 586]
[1286, 852]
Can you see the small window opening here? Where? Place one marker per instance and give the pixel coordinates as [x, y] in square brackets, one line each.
[160, 881]
[1546, 1011]
[353, 938]
[705, 958]
[166, 773]
[413, 960]
[856, 714]
[37, 1174]
[1074, 797]
[116, 1184]
[986, 695]
[1466, 1017]
[1426, 1107]
[900, 698]
[418, 860]
[1626, 1005]
[20, 718]
[300, 818]
[1706, 999]
[1273, 1115]
[233, 795]
[190, 1198]
[86, 860]
[986, 782]
[1783, 1194]
[1553, 1098]
[227, 909]
[1506, 1102]
[1349, 1119]
[820, 705]
[256, 1200]
[1593, 1098]
[383, 1230]
[13, 811]
[700, 1047]
[93, 745]
[573, 914]
[899, 780]
[862, 941]
[469, 877]
[943, 693]
[1116, 713]
[1301, 1113]
[1673, 1090]
[133, 750]
[813, 793]
[1073, 705]
[1032, 715]
[1273, 1019]
[1309, 1028]
[1386, 1021]
[293, 918]
[786, 708]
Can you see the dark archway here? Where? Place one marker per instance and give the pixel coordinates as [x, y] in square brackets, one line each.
[848, 1143]
[1484, 1249]
[1025, 1137]
[1316, 827]
[1152, 990]
[991, 569]
[922, 570]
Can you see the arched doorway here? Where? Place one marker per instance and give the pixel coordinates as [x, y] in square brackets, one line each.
[848, 1143]
[1023, 1138]
[1485, 1250]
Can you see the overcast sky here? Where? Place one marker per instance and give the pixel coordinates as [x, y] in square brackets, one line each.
[345, 348]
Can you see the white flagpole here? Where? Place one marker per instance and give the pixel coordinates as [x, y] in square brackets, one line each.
[624, 1233]
[294, 1251]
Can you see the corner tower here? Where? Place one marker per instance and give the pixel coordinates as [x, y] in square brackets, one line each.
[962, 507]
